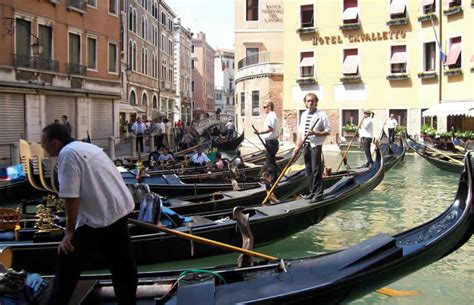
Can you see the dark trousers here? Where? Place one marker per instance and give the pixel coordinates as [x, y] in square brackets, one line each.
[159, 141]
[139, 144]
[230, 134]
[314, 169]
[391, 135]
[366, 143]
[113, 243]
[270, 160]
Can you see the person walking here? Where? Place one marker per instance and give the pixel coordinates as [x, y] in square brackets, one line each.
[138, 129]
[66, 123]
[392, 124]
[270, 134]
[96, 207]
[366, 133]
[313, 145]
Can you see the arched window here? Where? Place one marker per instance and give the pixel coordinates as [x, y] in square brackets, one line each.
[143, 60]
[130, 18]
[145, 100]
[134, 56]
[145, 71]
[134, 20]
[155, 102]
[132, 98]
[130, 55]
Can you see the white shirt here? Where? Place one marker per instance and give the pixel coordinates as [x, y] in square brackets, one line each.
[392, 123]
[322, 125]
[87, 173]
[200, 158]
[138, 128]
[366, 130]
[230, 125]
[271, 121]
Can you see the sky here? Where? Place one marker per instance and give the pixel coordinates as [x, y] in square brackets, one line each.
[213, 17]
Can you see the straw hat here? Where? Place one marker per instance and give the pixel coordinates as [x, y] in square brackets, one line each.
[368, 111]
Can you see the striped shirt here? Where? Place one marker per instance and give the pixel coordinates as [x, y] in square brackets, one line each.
[307, 120]
[307, 124]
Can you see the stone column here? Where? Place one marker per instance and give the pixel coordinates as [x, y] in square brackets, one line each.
[112, 148]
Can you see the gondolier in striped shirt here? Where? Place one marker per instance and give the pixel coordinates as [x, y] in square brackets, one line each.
[312, 147]
[270, 134]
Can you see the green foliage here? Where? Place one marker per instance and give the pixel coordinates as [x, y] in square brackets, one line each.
[428, 130]
[349, 128]
[445, 135]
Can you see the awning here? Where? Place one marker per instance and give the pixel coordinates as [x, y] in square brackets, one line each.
[454, 52]
[350, 13]
[307, 62]
[399, 55]
[127, 108]
[427, 2]
[350, 65]
[397, 7]
[458, 108]
[138, 109]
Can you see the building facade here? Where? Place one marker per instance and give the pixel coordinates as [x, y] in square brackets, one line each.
[167, 62]
[140, 32]
[382, 55]
[183, 72]
[202, 85]
[58, 58]
[224, 81]
[259, 56]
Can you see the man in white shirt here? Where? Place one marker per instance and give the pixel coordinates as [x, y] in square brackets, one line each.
[313, 145]
[366, 133]
[230, 127]
[200, 158]
[270, 135]
[138, 129]
[97, 205]
[392, 124]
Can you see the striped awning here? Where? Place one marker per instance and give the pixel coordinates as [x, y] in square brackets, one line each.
[457, 108]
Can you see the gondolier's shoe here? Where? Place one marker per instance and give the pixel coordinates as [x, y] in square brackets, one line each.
[316, 199]
[308, 196]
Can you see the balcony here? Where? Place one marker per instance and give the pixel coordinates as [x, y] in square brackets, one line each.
[306, 80]
[398, 76]
[77, 5]
[427, 74]
[453, 10]
[263, 63]
[76, 69]
[167, 85]
[397, 21]
[427, 17]
[346, 79]
[33, 62]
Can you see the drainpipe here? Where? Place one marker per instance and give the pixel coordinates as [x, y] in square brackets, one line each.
[441, 63]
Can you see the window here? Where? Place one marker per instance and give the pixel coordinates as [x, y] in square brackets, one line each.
[251, 56]
[350, 117]
[192, 86]
[144, 4]
[144, 100]
[134, 20]
[133, 98]
[155, 102]
[23, 39]
[130, 18]
[429, 6]
[429, 56]
[400, 116]
[192, 48]
[227, 101]
[144, 61]
[163, 18]
[74, 49]
[398, 59]
[454, 55]
[163, 42]
[397, 9]
[307, 16]
[170, 75]
[242, 103]
[307, 64]
[251, 10]
[350, 64]
[350, 12]
[113, 7]
[144, 27]
[192, 63]
[134, 56]
[155, 36]
[45, 37]
[130, 55]
[454, 3]
[92, 3]
[170, 25]
[112, 57]
[91, 53]
[255, 103]
[163, 72]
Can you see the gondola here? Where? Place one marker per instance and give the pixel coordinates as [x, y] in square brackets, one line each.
[269, 223]
[443, 160]
[229, 145]
[329, 278]
[393, 153]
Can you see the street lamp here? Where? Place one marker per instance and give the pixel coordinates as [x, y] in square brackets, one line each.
[36, 47]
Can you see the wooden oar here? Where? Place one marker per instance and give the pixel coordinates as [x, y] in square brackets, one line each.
[445, 155]
[259, 137]
[201, 240]
[344, 156]
[293, 157]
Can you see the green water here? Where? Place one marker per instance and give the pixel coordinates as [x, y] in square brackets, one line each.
[411, 193]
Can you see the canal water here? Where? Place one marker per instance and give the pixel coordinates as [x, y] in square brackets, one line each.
[411, 193]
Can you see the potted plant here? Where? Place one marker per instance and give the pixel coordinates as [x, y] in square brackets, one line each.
[349, 129]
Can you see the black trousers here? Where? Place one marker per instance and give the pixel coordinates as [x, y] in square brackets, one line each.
[272, 147]
[113, 243]
[139, 144]
[366, 143]
[314, 169]
[391, 135]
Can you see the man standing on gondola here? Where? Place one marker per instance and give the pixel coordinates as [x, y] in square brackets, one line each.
[392, 124]
[270, 135]
[313, 145]
[366, 133]
[97, 205]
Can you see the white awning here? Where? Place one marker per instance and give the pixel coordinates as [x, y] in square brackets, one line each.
[127, 108]
[458, 108]
[307, 62]
[138, 109]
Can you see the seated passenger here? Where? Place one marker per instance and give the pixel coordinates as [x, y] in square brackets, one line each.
[200, 158]
[165, 155]
[219, 164]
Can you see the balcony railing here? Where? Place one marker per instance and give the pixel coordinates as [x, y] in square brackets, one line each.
[34, 62]
[77, 4]
[76, 69]
[259, 58]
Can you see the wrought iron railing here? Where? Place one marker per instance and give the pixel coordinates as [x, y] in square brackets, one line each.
[262, 57]
[78, 4]
[34, 62]
[76, 69]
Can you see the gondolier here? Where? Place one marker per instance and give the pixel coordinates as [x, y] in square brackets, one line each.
[366, 133]
[313, 146]
[97, 205]
[270, 134]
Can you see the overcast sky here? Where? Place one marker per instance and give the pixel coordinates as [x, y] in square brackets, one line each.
[213, 17]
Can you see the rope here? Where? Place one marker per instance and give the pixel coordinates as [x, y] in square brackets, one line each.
[197, 271]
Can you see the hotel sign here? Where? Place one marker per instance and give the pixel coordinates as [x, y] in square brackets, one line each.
[359, 37]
